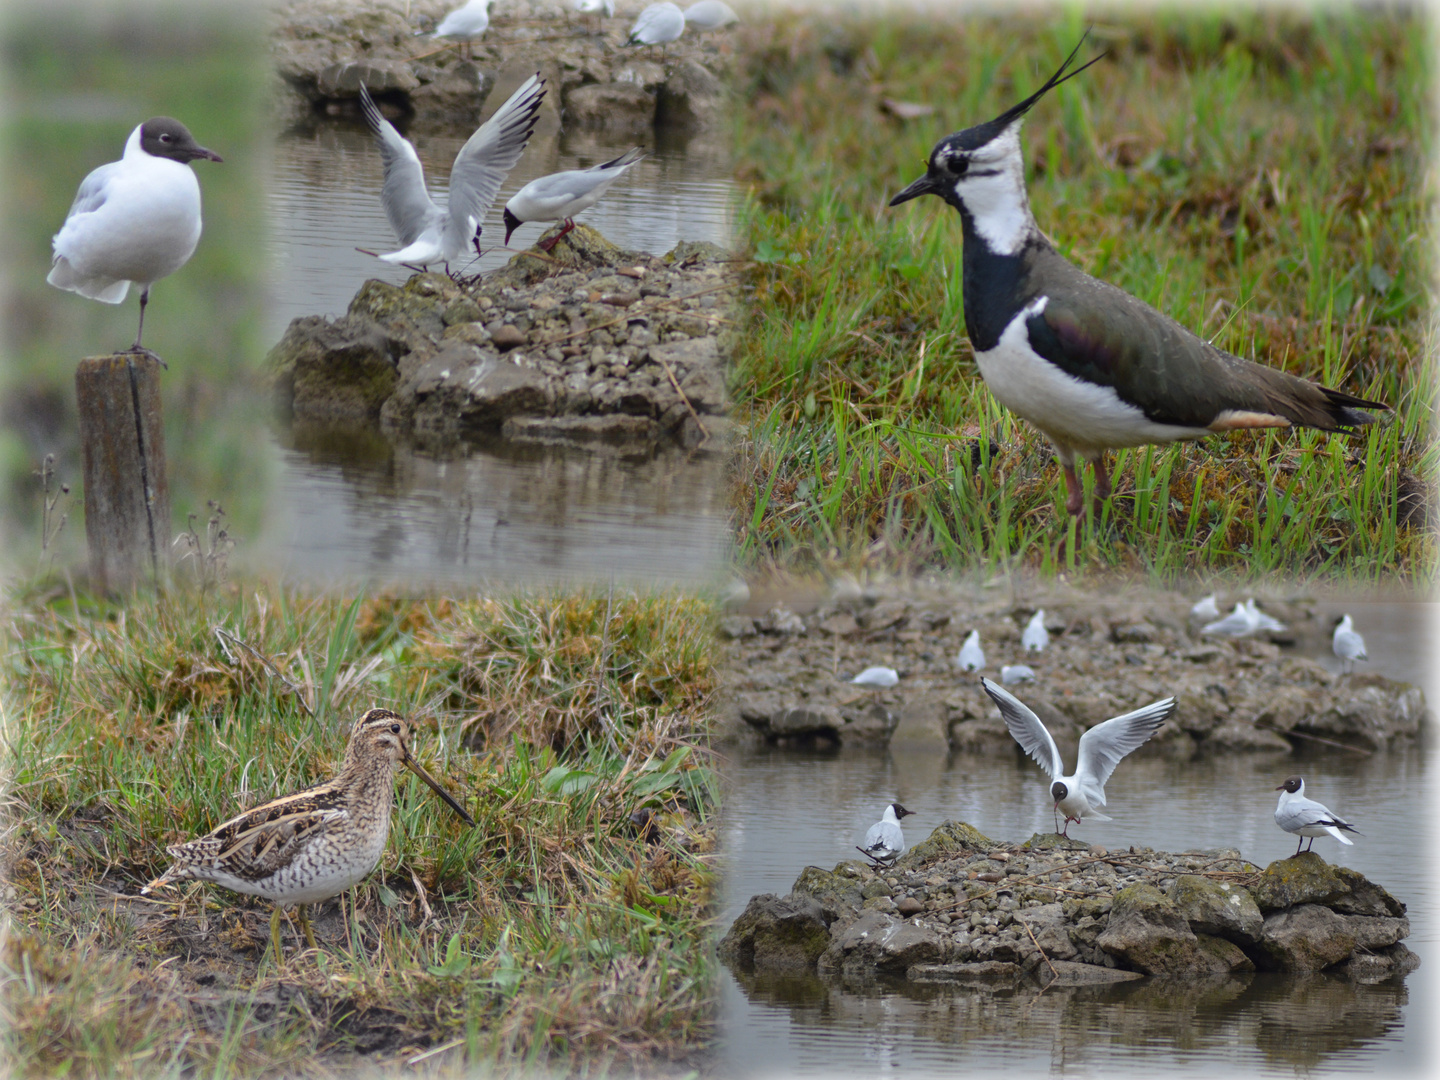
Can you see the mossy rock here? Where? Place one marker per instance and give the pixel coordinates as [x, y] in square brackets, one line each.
[947, 839]
[1053, 842]
[838, 891]
[1308, 879]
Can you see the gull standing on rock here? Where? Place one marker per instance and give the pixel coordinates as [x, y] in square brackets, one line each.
[972, 656]
[598, 8]
[133, 220]
[884, 841]
[1080, 795]
[1262, 622]
[1237, 624]
[428, 233]
[658, 24]
[1205, 608]
[1035, 637]
[1305, 817]
[883, 677]
[464, 23]
[1347, 644]
[710, 15]
[1010, 674]
[562, 195]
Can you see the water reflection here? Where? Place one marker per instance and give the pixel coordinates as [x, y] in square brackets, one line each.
[786, 810]
[355, 505]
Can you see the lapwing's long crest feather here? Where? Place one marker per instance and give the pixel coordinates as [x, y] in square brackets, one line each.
[1003, 120]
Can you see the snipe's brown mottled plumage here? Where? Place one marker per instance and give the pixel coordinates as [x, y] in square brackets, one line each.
[318, 842]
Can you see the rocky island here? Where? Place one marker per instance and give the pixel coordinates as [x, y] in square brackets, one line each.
[962, 908]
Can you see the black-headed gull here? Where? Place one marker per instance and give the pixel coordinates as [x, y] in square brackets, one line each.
[1101, 748]
[884, 841]
[135, 220]
[1010, 674]
[429, 234]
[599, 8]
[972, 656]
[1305, 817]
[1237, 624]
[1035, 637]
[710, 15]
[1205, 608]
[465, 23]
[560, 196]
[1262, 623]
[882, 677]
[1347, 644]
[658, 24]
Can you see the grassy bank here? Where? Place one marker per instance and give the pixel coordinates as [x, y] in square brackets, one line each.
[1260, 178]
[551, 935]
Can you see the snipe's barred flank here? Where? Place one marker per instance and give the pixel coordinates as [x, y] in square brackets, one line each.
[318, 842]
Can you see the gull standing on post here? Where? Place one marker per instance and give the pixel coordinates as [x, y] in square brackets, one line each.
[1079, 795]
[133, 220]
[428, 233]
[562, 195]
[884, 841]
[464, 23]
[1035, 637]
[1347, 644]
[1306, 817]
[1088, 365]
[972, 656]
[658, 24]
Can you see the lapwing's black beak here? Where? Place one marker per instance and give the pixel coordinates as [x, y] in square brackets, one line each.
[924, 186]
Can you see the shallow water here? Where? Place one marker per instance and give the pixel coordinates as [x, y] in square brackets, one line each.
[786, 810]
[357, 507]
[347, 509]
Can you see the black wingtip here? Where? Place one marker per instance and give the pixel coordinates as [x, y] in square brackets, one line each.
[1349, 411]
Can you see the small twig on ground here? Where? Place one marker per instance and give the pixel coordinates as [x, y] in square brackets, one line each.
[1041, 951]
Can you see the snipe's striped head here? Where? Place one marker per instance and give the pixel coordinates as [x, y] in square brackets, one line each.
[382, 735]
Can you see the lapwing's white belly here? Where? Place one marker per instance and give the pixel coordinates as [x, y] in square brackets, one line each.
[1077, 416]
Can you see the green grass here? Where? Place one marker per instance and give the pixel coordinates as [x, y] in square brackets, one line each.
[549, 935]
[78, 83]
[1258, 177]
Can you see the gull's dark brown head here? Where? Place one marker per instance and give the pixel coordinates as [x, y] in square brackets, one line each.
[1292, 785]
[166, 137]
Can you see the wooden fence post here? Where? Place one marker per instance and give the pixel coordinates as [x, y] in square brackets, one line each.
[122, 443]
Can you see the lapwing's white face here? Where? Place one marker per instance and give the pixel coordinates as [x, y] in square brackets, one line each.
[990, 182]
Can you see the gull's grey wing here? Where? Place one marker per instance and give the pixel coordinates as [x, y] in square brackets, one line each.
[408, 205]
[91, 195]
[1027, 730]
[883, 834]
[487, 158]
[1102, 747]
[1298, 814]
[551, 194]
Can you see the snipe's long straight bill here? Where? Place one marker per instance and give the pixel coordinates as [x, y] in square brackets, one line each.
[924, 186]
[435, 786]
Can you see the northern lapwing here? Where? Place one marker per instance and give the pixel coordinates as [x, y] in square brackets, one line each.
[1092, 367]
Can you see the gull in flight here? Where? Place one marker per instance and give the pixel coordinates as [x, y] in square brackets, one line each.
[427, 233]
[1080, 794]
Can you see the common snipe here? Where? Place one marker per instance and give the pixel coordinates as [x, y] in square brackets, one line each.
[312, 845]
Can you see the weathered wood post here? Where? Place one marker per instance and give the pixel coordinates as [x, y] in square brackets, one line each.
[122, 443]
